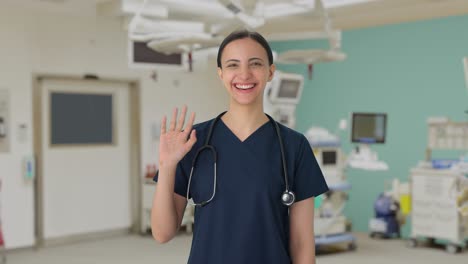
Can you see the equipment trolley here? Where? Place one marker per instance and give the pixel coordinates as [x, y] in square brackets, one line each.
[436, 212]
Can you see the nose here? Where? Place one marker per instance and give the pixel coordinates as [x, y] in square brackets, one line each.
[245, 72]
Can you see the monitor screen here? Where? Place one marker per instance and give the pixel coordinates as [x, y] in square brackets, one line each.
[329, 157]
[140, 56]
[289, 89]
[369, 128]
[141, 53]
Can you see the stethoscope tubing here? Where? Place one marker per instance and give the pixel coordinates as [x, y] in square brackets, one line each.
[287, 197]
[213, 151]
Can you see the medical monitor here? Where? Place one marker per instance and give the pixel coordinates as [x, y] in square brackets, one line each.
[140, 56]
[286, 88]
[369, 128]
[329, 157]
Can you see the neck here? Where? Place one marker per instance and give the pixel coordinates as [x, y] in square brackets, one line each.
[245, 118]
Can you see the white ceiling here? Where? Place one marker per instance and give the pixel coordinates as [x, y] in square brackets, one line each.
[359, 15]
[387, 12]
[69, 7]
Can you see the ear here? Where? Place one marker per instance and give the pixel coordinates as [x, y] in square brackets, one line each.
[220, 73]
[272, 72]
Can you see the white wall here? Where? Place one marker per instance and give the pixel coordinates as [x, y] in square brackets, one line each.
[70, 45]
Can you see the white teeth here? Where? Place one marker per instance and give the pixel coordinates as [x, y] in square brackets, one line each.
[244, 86]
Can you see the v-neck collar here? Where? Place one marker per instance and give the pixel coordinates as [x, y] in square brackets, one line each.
[257, 131]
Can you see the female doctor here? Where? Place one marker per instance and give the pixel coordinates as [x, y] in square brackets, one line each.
[252, 179]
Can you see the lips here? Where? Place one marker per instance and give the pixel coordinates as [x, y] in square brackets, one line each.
[244, 86]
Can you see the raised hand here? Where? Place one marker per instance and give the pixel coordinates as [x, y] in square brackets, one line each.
[175, 142]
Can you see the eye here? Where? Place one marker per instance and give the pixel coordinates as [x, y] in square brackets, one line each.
[231, 65]
[256, 64]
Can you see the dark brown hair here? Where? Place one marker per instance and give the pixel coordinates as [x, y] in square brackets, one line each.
[241, 34]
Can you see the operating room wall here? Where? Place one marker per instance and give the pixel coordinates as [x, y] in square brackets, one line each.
[35, 43]
[411, 71]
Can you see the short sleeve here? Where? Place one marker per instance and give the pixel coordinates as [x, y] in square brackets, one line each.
[181, 178]
[308, 178]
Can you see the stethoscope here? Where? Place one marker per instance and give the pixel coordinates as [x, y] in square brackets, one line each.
[287, 198]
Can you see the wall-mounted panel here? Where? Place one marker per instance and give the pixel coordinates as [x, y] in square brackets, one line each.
[81, 118]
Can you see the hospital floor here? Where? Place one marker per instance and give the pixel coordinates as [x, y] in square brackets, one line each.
[144, 250]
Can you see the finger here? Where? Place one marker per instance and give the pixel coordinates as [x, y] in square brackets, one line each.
[192, 140]
[163, 125]
[181, 122]
[190, 123]
[173, 120]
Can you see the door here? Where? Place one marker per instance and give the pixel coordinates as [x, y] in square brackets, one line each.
[84, 183]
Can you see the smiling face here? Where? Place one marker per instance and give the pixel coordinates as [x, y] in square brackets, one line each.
[245, 71]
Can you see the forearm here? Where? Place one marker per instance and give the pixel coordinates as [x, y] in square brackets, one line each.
[302, 240]
[164, 219]
[303, 252]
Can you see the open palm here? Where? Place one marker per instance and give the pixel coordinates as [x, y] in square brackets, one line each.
[175, 142]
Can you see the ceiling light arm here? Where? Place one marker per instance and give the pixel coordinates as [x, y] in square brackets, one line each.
[136, 18]
[333, 39]
[250, 21]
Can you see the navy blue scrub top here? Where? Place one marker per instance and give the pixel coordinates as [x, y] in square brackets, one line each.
[246, 222]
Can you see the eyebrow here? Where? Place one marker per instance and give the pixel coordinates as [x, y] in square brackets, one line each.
[235, 60]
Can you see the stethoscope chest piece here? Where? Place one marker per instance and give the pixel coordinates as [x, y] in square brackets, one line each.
[288, 198]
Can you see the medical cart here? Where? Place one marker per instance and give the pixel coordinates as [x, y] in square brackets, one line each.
[330, 225]
[439, 191]
[149, 186]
